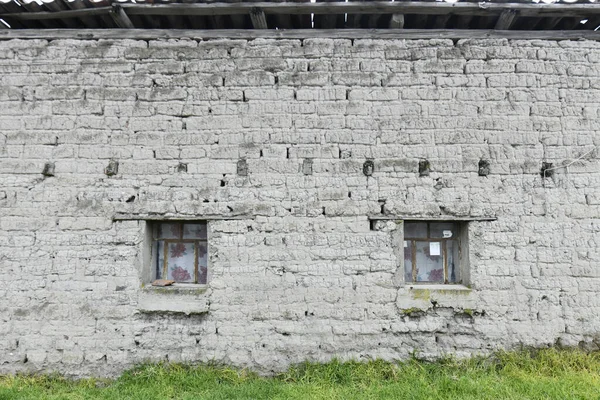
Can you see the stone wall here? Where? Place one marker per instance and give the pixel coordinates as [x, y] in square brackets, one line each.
[267, 139]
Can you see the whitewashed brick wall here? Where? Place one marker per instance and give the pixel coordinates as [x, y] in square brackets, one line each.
[296, 271]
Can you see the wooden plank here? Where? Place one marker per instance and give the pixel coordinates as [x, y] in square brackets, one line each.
[34, 8]
[88, 22]
[506, 19]
[259, 20]
[6, 8]
[238, 21]
[463, 21]
[486, 22]
[365, 7]
[381, 217]
[45, 15]
[120, 17]
[328, 20]
[281, 21]
[300, 21]
[397, 21]
[57, 6]
[149, 34]
[105, 19]
[419, 21]
[593, 23]
[571, 23]
[550, 23]
[441, 21]
[337, 9]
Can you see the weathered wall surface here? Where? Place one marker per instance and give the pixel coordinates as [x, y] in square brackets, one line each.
[297, 273]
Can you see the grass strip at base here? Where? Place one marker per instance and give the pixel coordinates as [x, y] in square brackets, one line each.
[540, 374]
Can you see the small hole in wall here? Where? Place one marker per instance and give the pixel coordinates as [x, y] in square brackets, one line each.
[547, 171]
[349, 195]
[382, 206]
[373, 225]
[287, 153]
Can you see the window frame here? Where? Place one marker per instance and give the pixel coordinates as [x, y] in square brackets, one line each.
[154, 250]
[462, 242]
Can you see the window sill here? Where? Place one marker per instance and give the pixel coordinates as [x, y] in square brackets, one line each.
[439, 287]
[176, 299]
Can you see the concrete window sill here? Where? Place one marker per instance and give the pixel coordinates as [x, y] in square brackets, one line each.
[175, 299]
[439, 287]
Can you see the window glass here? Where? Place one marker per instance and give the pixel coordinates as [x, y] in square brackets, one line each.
[202, 263]
[453, 257]
[432, 252]
[160, 245]
[181, 262]
[181, 252]
[169, 231]
[417, 230]
[430, 263]
[194, 231]
[444, 230]
[408, 249]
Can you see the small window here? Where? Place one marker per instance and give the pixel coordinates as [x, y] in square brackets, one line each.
[432, 252]
[181, 251]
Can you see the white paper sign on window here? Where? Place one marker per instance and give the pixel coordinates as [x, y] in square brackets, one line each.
[447, 234]
[434, 249]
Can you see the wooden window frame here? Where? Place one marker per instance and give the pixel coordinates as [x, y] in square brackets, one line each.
[167, 241]
[443, 247]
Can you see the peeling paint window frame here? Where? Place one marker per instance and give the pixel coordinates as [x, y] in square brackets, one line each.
[458, 237]
[160, 262]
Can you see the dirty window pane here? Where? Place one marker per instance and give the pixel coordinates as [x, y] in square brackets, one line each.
[430, 262]
[408, 249]
[160, 260]
[169, 231]
[194, 231]
[181, 262]
[202, 263]
[444, 230]
[417, 230]
[453, 267]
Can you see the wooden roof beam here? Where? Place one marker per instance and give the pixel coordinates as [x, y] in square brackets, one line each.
[120, 17]
[259, 19]
[337, 8]
[397, 21]
[149, 34]
[507, 18]
[365, 7]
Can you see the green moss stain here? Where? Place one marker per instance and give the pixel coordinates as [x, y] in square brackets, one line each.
[421, 294]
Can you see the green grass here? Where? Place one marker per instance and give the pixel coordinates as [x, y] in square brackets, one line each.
[543, 374]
